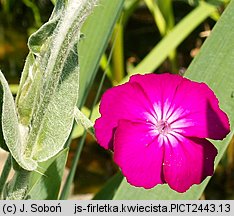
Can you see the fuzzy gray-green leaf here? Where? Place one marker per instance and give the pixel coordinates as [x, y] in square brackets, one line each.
[43, 35]
[39, 38]
[2, 141]
[28, 92]
[13, 133]
[51, 136]
[48, 90]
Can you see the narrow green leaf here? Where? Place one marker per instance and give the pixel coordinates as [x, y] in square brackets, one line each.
[46, 184]
[158, 16]
[109, 189]
[82, 119]
[166, 7]
[129, 8]
[214, 65]
[97, 31]
[161, 51]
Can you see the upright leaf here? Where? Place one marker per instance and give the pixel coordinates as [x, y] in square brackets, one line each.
[13, 132]
[2, 141]
[161, 51]
[60, 86]
[97, 31]
[48, 90]
[109, 190]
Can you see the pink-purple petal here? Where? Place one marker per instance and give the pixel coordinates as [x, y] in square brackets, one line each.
[156, 125]
[138, 154]
[187, 161]
[199, 112]
[126, 101]
[160, 89]
[192, 107]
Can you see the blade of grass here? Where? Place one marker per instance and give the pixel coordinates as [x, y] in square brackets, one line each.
[103, 65]
[66, 188]
[79, 129]
[129, 8]
[110, 188]
[97, 30]
[158, 16]
[172, 40]
[81, 119]
[35, 11]
[166, 7]
[118, 54]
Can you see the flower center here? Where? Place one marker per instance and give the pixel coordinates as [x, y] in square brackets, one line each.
[163, 127]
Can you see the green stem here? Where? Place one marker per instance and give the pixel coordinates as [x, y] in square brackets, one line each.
[66, 189]
[18, 186]
[35, 10]
[118, 53]
[5, 173]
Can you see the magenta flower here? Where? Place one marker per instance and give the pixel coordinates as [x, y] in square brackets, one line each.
[156, 126]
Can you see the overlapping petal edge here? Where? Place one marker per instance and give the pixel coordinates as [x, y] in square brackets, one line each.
[157, 126]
